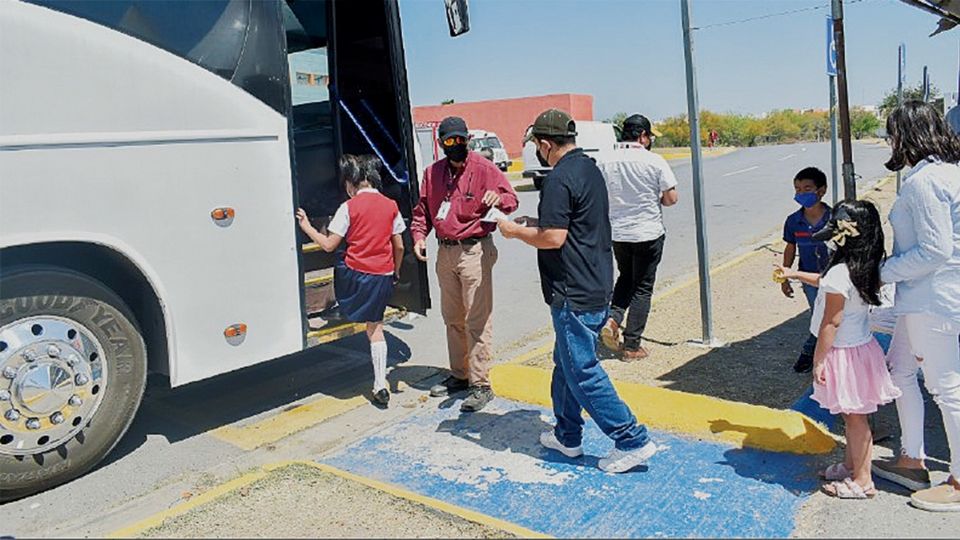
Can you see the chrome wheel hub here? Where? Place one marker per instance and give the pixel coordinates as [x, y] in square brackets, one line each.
[52, 380]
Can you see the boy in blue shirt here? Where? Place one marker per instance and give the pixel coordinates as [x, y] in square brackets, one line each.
[810, 185]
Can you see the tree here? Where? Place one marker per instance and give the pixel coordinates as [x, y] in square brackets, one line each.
[617, 119]
[863, 123]
[909, 92]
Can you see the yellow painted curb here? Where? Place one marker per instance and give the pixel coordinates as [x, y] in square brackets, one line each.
[244, 480]
[703, 416]
[208, 496]
[286, 423]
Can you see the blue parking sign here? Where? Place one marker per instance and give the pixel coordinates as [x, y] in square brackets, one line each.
[831, 49]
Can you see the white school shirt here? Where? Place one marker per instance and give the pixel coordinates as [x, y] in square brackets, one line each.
[854, 329]
[636, 179]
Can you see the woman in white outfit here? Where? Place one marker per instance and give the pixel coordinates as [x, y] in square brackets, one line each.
[926, 269]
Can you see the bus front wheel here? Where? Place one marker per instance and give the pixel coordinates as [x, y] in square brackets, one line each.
[72, 373]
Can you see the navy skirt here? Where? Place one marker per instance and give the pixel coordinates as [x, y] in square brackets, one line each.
[362, 297]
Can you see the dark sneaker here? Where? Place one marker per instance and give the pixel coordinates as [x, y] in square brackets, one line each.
[912, 479]
[450, 385]
[943, 498]
[478, 399]
[804, 364]
[381, 398]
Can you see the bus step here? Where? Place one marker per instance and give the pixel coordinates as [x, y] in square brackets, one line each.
[328, 334]
[311, 247]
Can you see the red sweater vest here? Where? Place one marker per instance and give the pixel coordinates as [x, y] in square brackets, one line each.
[369, 249]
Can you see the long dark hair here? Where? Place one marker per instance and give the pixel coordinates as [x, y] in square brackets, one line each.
[917, 131]
[862, 254]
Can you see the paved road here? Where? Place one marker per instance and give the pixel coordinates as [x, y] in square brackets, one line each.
[170, 445]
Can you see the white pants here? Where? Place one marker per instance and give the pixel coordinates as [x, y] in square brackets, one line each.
[934, 340]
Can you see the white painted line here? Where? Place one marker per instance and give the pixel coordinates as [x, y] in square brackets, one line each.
[784, 158]
[742, 170]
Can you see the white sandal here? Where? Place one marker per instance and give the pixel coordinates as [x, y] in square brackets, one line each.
[848, 489]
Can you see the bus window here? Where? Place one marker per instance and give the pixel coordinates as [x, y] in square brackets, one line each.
[236, 39]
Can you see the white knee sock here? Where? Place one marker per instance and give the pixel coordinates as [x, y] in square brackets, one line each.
[378, 355]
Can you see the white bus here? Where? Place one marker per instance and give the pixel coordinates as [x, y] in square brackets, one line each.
[152, 154]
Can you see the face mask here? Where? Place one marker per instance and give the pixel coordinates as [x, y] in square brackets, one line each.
[807, 200]
[457, 152]
[543, 161]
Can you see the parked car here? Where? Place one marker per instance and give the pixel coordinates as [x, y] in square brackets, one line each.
[596, 139]
[480, 139]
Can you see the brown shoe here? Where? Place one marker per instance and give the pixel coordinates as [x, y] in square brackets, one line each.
[632, 355]
[912, 479]
[610, 336]
[942, 498]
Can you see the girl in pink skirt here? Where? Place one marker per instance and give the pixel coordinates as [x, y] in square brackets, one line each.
[850, 375]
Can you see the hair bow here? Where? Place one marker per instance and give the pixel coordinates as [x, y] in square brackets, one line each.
[845, 229]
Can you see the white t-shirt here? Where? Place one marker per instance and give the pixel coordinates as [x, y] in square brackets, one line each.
[855, 327]
[636, 179]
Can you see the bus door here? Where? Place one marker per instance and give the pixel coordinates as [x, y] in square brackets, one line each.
[349, 96]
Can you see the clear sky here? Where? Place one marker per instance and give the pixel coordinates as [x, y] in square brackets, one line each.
[629, 53]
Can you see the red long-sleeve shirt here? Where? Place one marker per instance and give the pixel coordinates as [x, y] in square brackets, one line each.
[465, 192]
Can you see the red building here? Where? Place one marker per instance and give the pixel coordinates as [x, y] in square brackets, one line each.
[508, 118]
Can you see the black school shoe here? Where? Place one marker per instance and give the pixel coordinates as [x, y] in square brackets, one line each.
[450, 385]
[804, 363]
[381, 398]
[478, 399]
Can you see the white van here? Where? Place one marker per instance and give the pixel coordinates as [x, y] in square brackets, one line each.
[596, 139]
[480, 139]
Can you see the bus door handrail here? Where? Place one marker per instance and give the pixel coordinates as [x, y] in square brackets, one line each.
[346, 109]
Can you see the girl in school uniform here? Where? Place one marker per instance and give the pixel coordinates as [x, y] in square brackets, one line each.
[850, 375]
[364, 279]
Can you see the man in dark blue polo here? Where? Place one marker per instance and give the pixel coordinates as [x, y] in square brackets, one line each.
[575, 257]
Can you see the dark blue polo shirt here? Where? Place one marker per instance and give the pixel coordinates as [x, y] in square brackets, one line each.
[797, 230]
[574, 197]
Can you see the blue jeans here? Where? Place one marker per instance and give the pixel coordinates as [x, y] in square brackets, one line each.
[810, 345]
[579, 382]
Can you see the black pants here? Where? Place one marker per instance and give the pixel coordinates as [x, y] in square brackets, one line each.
[637, 263]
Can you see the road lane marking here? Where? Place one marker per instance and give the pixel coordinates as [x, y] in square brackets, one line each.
[748, 169]
[784, 158]
[249, 478]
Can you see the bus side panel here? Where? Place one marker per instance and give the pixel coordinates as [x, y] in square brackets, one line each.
[107, 138]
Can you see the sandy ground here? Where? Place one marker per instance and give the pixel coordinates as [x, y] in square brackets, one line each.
[302, 502]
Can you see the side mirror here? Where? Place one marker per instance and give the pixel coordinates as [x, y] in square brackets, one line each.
[458, 17]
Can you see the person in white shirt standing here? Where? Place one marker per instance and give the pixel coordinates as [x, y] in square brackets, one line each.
[639, 184]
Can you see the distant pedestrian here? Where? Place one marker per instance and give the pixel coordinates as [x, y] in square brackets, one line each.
[364, 279]
[926, 269]
[572, 236]
[849, 369]
[457, 192]
[639, 184]
[810, 186]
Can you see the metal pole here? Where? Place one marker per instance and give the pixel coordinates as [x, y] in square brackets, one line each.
[849, 182]
[833, 139]
[693, 112]
[900, 64]
[926, 85]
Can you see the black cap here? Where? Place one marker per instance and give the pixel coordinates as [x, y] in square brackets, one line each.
[452, 126]
[636, 123]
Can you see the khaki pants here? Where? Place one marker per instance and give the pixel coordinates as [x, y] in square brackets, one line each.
[465, 276]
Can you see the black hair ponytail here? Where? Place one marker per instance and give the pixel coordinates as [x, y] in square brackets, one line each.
[863, 254]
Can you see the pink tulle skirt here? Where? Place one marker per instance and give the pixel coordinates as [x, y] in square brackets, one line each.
[857, 380]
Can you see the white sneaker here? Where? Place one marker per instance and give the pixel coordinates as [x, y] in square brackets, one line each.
[620, 461]
[549, 440]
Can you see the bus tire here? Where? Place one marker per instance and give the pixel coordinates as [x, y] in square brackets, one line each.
[60, 325]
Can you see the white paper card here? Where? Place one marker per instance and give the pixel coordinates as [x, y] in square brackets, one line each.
[443, 211]
[493, 216]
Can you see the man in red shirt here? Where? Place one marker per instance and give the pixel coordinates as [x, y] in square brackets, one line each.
[457, 192]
